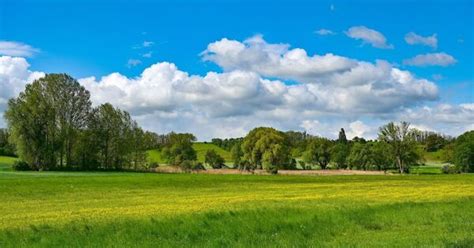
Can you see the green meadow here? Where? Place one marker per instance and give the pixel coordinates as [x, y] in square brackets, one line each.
[200, 148]
[97, 209]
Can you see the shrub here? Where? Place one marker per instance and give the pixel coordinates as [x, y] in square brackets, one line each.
[21, 166]
[154, 165]
[449, 169]
[188, 165]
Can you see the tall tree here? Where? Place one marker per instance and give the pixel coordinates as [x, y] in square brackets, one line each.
[464, 152]
[402, 144]
[342, 136]
[318, 151]
[46, 118]
[266, 148]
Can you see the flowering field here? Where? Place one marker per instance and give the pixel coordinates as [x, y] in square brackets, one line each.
[100, 209]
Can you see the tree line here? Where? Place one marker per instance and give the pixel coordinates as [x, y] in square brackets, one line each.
[52, 125]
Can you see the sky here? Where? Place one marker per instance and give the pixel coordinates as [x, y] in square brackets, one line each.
[221, 68]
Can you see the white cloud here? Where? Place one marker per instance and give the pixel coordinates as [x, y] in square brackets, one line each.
[359, 129]
[370, 36]
[324, 31]
[414, 39]
[326, 92]
[431, 59]
[14, 75]
[17, 49]
[133, 62]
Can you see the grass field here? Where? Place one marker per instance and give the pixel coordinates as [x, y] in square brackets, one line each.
[44, 209]
[201, 149]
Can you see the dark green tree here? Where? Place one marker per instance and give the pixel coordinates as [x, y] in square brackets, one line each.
[213, 159]
[464, 152]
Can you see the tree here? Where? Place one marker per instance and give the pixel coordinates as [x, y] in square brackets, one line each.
[45, 120]
[342, 136]
[464, 152]
[266, 148]
[213, 159]
[116, 137]
[360, 156]
[339, 154]
[237, 154]
[318, 151]
[179, 148]
[402, 144]
[6, 147]
[381, 158]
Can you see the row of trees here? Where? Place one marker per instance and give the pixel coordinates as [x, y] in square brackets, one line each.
[53, 125]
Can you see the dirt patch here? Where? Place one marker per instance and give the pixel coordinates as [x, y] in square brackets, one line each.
[174, 169]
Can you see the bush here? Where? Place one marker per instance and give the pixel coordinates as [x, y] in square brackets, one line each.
[21, 166]
[154, 165]
[449, 169]
[188, 165]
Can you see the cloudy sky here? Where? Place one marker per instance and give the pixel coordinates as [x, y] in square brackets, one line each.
[221, 68]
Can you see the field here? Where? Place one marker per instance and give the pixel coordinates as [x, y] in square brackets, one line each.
[201, 149]
[76, 209]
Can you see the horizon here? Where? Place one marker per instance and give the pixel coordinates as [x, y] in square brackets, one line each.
[219, 69]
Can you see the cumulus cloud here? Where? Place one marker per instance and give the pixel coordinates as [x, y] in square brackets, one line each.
[415, 39]
[431, 59]
[450, 119]
[324, 31]
[370, 36]
[326, 92]
[358, 129]
[11, 48]
[14, 75]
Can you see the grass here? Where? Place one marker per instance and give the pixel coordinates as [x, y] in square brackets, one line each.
[201, 149]
[92, 209]
[6, 163]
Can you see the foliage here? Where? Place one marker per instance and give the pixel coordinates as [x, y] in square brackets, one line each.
[237, 154]
[464, 152]
[179, 148]
[340, 153]
[449, 169]
[53, 126]
[266, 148]
[360, 156]
[20, 166]
[6, 147]
[214, 160]
[402, 144]
[227, 144]
[318, 151]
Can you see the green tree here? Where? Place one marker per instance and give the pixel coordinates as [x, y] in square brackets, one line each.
[213, 159]
[464, 152]
[237, 154]
[179, 148]
[318, 151]
[402, 145]
[339, 154]
[342, 136]
[45, 120]
[266, 148]
[381, 157]
[360, 156]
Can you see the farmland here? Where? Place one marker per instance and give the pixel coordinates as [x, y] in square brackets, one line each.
[104, 209]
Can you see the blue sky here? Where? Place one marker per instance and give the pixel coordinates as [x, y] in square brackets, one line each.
[96, 38]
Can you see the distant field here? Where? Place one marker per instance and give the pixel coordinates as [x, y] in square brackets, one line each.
[201, 149]
[6, 163]
[84, 209]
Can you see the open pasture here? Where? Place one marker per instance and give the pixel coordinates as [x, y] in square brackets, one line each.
[79, 209]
